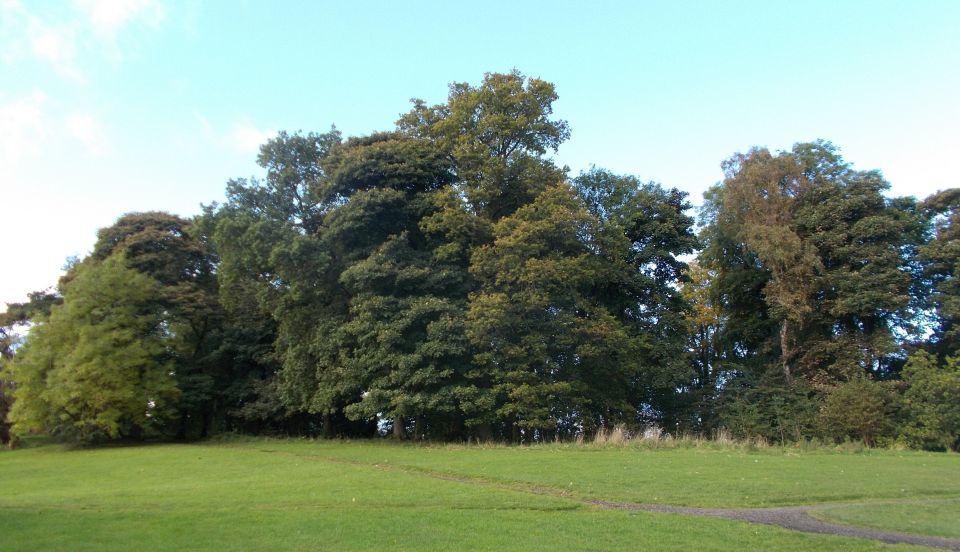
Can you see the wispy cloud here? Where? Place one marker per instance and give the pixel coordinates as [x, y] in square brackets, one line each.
[33, 125]
[23, 126]
[89, 131]
[55, 44]
[108, 17]
[246, 138]
[65, 39]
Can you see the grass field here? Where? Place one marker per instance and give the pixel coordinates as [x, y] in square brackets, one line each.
[941, 519]
[315, 495]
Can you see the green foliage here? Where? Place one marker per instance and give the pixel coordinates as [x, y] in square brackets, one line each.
[97, 368]
[279, 283]
[403, 344]
[815, 276]
[643, 230]
[828, 248]
[447, 277]
[931, 402]
[769, 408]
[17, 318]
[859, 409]
[177, 256]
[537, 335]
[704, 326]
[940, 258]
[6, 400]
[496, 133]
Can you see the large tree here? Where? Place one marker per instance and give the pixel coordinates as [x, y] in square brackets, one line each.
[647, 230]
[173, 252]
[99, 367]
[280, 283]
[824, 249]
[557, 359]
[403, 341]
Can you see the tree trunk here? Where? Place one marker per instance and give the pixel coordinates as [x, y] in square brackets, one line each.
[786, 350]
[327, 425]
[418, 428]
[398, 431]
[483, 432]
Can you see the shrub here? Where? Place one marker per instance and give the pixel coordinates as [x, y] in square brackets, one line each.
[778, 413]
[859, 409]
[931, 402]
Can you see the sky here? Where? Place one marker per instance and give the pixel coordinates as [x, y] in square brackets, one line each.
[115, 106]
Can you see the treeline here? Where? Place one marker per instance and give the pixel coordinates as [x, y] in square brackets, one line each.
[446, 280]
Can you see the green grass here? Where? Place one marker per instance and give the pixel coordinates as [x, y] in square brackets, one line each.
[941, 519]
[707, 476]
[303, 495]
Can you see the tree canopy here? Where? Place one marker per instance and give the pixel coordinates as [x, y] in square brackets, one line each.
[445, 279]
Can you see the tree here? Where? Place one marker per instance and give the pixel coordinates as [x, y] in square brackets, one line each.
[6, 398]
[17, 318]
[705, 322]
[940, 258]
[403, 342]
[821, 253]
[99, 367]
[280, 283]
[557, 360]
[171, 251]
[646, 230]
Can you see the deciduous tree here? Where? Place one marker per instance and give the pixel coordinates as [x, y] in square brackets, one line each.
[99, 367]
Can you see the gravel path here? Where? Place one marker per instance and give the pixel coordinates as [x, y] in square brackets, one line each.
[796, 518]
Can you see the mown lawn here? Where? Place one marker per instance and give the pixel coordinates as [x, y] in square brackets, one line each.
[689, 476]
[303, 495]
[941, 519]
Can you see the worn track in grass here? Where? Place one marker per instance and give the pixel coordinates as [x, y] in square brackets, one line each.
[796, 518]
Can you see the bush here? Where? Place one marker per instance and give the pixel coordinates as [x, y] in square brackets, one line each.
[859, 409]
[777, 412]
[931, 402]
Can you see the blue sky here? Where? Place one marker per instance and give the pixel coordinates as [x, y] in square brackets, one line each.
[111, 106]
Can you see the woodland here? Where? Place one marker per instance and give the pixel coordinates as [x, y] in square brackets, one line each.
[445, 280]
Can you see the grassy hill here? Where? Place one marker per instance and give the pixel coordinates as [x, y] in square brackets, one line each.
[264, 494]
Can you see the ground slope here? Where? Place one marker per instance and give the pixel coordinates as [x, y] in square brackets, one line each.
[270, 495]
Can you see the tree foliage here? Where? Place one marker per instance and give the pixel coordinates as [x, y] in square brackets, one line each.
[817, 250]
[940, 258]
[446, 279]
[17, 319]
[99, 367]
[932, 402]
[859, 409]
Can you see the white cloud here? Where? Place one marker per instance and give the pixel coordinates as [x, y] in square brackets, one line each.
[108, 17]
[66, 39]
[12, 24]
[23, 126]
[56, 45]
[246, 138]
[89, 131]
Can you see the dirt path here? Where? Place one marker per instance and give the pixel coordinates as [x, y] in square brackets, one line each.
[796, 518]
